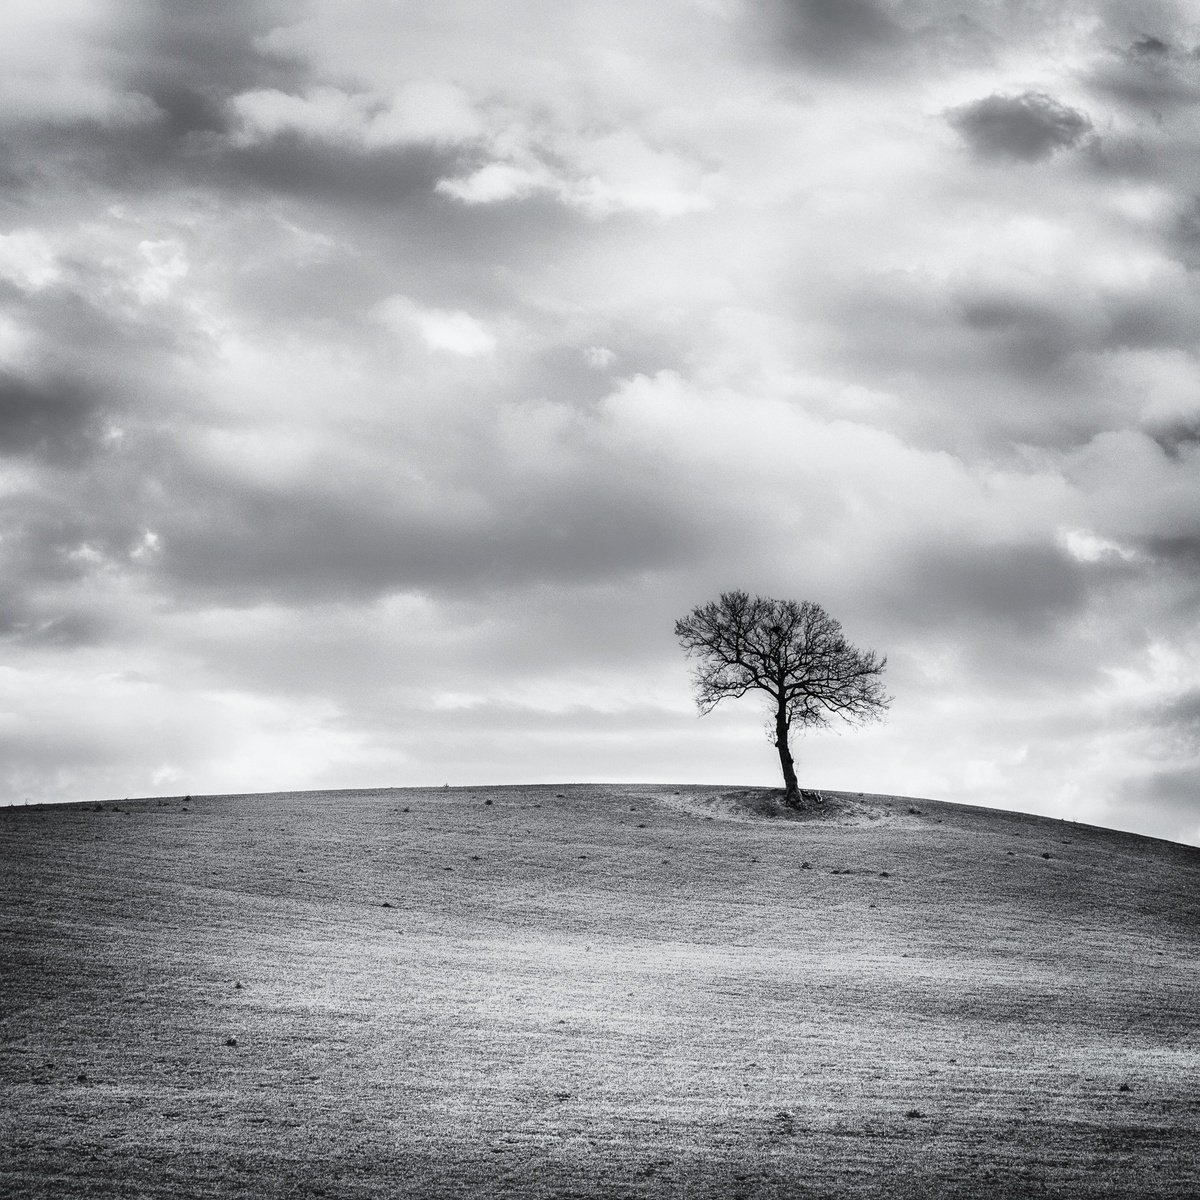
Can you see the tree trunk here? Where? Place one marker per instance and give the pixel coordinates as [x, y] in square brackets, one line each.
[791, 788]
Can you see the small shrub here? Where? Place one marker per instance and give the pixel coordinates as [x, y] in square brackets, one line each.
[914, 1114]
[488, 800]
[231, 1041]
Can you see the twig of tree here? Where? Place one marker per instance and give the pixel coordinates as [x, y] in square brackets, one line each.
[795, 652]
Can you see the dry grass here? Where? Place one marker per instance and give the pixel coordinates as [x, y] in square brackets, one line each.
[593, 992]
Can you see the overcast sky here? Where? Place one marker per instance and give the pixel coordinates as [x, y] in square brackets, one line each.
[379, 380]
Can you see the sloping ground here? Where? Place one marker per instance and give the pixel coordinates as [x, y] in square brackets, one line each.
[593, 992]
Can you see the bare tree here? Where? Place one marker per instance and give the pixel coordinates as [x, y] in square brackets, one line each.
[795, 652]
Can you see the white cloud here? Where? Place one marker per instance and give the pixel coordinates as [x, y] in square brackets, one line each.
[1090, 548]
[324, 112]
[451, 330]
[425, 110]
[28, 259]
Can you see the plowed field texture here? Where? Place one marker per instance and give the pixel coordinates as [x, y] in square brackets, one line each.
[592, 991]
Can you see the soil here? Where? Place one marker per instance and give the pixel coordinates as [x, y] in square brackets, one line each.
[593, 991]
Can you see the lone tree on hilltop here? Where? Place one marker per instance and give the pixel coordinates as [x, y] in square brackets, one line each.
[796, 653]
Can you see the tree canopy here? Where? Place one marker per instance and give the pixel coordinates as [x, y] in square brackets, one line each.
[795, 652]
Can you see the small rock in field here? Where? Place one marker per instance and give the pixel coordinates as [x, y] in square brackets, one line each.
[237, 987]
[488, 801]
[806, 866]
[447, 868]
[885, 875]
[82, 1077]
[1124, 1088]
[386, 904]
[914, 1114]
[476, 858]
[231, 1041]
[560, 795]
[1009, 853]
[1045, 853]
[641, 826]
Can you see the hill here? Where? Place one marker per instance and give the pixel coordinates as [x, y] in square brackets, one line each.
[593, 991]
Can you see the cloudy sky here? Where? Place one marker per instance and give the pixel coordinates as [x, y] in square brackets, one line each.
[380, 380]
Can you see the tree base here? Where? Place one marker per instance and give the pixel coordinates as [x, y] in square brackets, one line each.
[803, 799]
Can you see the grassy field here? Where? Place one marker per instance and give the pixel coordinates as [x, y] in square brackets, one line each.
[593, 991]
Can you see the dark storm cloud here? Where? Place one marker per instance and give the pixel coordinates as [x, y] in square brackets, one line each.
[1181, 549]
[1174, 437]
[1036, 335]
[1166, 803]
[306, 544]
[1026, 127]
[182, 63]
[1153, 75]
[1029, 587]
[58, 536]
[296, 165]
[839, 34]
[1184, 234]
[1183, 714]
[53, 419]
[195, 53]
